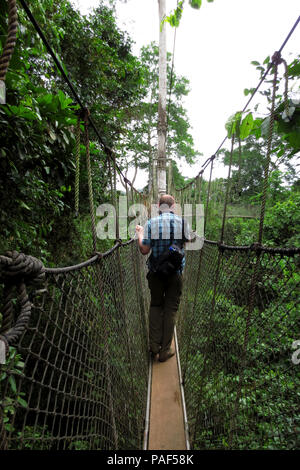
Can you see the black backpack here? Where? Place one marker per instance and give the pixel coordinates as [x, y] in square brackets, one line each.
[170, 261]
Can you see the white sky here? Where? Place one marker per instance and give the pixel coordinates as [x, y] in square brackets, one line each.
[214, 48]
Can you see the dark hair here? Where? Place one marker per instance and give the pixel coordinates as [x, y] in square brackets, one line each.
[166, 199]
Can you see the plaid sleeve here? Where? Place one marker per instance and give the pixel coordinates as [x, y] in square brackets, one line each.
[187, 231]
[147, 234]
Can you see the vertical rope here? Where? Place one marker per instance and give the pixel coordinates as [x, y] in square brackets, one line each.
[116, 200]
[286, 83]
[11, 38]
[227, 192]
[111, 181]
[77, 174]
[238, 188]
[208, 193]
[276, 60]
[199, 185]
[89, 174]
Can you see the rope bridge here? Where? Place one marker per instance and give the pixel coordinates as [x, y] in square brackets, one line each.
[74, 347]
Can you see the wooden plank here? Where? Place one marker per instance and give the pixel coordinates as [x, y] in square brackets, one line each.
[166, 431]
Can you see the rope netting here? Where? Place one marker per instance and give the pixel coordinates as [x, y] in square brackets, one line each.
[239, 380]
[83, 384]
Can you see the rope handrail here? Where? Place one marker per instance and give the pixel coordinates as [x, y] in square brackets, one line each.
[96, 257]
[256, 247]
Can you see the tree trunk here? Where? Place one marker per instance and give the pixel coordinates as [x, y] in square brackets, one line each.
[170, 176]
[162, 102]
[150, 169]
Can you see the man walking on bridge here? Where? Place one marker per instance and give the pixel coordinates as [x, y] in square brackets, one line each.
[165, 236]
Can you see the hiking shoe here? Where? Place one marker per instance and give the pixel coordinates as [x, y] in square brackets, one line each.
[165, 355]
[153, 355]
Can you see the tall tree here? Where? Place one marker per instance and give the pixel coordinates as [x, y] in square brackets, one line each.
[162, 102]
[138, 143]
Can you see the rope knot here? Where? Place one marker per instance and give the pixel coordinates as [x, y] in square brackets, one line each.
[16, 270]
[220, 245]
[256, 246]
[276, 58]
[15, 265]
[126, 180]
[85, 114]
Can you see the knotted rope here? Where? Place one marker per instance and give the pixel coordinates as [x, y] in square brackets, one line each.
[17, 270]
[11, 38]
[77, 171]
[89, 176]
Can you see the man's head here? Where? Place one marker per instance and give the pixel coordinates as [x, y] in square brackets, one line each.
[166, 203]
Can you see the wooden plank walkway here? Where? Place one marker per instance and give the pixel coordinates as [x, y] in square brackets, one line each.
[166, 431]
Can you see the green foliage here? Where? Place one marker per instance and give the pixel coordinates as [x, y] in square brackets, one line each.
[37, 125]
[79, 445]
[282, 222]
[240, 127]
[33, 437]
[286, 127]
[175, 16]
[14, 398]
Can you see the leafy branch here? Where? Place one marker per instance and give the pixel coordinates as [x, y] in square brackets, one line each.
[175, 16]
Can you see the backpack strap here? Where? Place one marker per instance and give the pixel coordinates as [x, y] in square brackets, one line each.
[172, 230]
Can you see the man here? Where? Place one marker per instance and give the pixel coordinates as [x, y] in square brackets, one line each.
[158, 235]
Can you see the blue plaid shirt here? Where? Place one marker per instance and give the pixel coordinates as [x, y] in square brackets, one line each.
[157, 234]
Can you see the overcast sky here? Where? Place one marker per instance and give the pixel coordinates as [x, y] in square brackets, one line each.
[214, 49]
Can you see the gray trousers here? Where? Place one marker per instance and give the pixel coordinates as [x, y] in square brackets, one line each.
[165, 298]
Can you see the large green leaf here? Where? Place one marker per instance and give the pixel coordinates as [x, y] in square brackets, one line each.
[233, 123]
[246, 126]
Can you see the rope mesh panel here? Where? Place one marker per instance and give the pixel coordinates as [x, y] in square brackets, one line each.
[211, 344]
[84, 382]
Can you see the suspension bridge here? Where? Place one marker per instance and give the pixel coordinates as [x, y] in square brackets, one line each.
[74, 340]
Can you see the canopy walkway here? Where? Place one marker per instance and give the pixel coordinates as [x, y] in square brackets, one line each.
[74, 344]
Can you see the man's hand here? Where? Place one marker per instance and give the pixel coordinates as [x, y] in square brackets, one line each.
[139, 230]
[144, 249]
